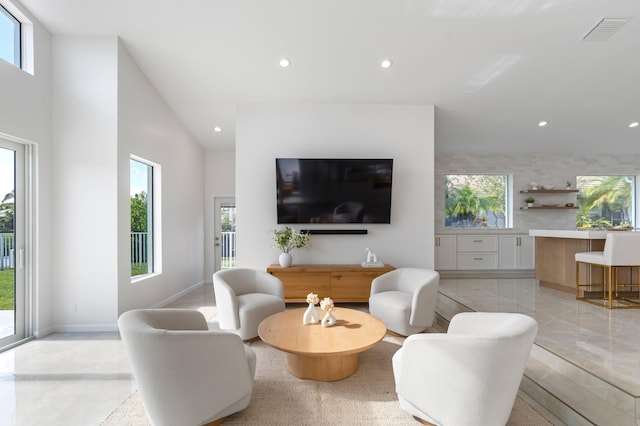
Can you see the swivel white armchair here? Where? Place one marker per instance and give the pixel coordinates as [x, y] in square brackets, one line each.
[468, 376]
[244, 297]
[405, 299]
[186, 374]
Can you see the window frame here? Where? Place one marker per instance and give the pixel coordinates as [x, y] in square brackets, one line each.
[153, 210]
[633, 194]
[17, 37]
[508, 201]
[26, 37]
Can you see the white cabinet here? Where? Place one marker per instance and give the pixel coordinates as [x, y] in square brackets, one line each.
[517, 252]
[446, 252]
[477, 252]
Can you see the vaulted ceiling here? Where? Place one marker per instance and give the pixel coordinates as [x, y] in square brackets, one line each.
[493, 69]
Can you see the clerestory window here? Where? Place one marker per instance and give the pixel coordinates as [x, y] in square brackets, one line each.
[10, 38]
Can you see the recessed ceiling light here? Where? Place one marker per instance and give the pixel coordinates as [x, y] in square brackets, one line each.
[542, 123]
[284, 62]
[386, 63]
[634, 124]
[217, 129]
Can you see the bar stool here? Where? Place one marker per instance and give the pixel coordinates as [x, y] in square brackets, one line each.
[621, 250]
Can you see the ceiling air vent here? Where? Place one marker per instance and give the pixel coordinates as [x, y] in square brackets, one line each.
[605, 29]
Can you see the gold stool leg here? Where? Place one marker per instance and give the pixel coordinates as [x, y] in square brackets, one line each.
[610, 284]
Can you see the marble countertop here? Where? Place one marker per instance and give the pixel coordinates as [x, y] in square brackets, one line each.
[480, 231]
[583, 234]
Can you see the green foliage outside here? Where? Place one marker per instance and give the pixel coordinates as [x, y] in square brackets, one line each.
[604, 201]
[139, 224]
[228, 219]
[475, 201]
[139, 212]
[7, 213]
[7, 290]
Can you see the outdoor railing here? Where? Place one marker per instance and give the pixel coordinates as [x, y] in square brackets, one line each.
[139, 242]
[7, 251]
[228, 250]
[139, 255]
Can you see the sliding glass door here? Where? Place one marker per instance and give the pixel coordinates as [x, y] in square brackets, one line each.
[12, 243]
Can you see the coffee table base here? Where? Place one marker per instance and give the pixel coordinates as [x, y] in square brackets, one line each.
[322, 368]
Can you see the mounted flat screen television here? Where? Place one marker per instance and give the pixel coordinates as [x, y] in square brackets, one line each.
[328, 190]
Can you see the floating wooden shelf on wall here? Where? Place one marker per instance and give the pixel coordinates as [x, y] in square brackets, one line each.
[549, 191]
[547, 208]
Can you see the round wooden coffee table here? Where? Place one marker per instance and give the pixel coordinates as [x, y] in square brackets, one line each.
[322, 353]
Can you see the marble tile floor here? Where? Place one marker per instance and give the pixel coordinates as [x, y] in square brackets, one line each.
[585, 356]
[79, 378]
[73, 379]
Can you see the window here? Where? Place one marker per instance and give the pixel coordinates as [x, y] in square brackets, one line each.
[10, 40]
[605, 201]
[142, 229]
[476, 201]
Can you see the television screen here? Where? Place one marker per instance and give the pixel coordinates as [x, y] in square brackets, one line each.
[311, 190]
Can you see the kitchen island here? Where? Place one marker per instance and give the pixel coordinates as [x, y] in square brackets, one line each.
[555, 254]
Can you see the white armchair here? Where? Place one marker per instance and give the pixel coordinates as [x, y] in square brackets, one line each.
[185, 373]
[244, 297]
[471, 374]
[405, 299]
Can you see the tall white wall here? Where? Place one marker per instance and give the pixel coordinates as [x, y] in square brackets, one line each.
[105, 110]
[402, 132]
[148, 128]
[85, 90]
[25, 114]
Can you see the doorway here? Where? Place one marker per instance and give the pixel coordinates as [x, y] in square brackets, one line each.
[12, 243]
[225, 233]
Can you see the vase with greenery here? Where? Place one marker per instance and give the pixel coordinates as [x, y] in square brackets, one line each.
[288, 239]
[529, 201]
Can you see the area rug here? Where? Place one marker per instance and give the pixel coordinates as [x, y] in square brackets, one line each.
[366, 398]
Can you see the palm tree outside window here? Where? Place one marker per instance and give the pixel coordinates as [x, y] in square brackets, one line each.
[476, 201]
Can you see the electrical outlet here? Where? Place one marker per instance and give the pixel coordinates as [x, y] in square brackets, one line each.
[72, 308]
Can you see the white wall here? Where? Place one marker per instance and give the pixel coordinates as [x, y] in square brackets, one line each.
[25, 113]
[402, 132]
[149, 129]
[220, 181]
[105, 110]
[85, 163]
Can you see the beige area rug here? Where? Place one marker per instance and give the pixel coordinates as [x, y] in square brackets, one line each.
[366, 398]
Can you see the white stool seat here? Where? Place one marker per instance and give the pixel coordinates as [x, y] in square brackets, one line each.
[621, 250]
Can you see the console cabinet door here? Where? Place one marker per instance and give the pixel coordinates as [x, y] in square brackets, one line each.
[351, 286]
[298, 284]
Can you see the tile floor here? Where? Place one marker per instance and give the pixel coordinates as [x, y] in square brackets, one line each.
[79, 378]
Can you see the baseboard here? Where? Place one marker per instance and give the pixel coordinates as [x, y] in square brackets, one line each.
[177, 296]
[493, 273]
